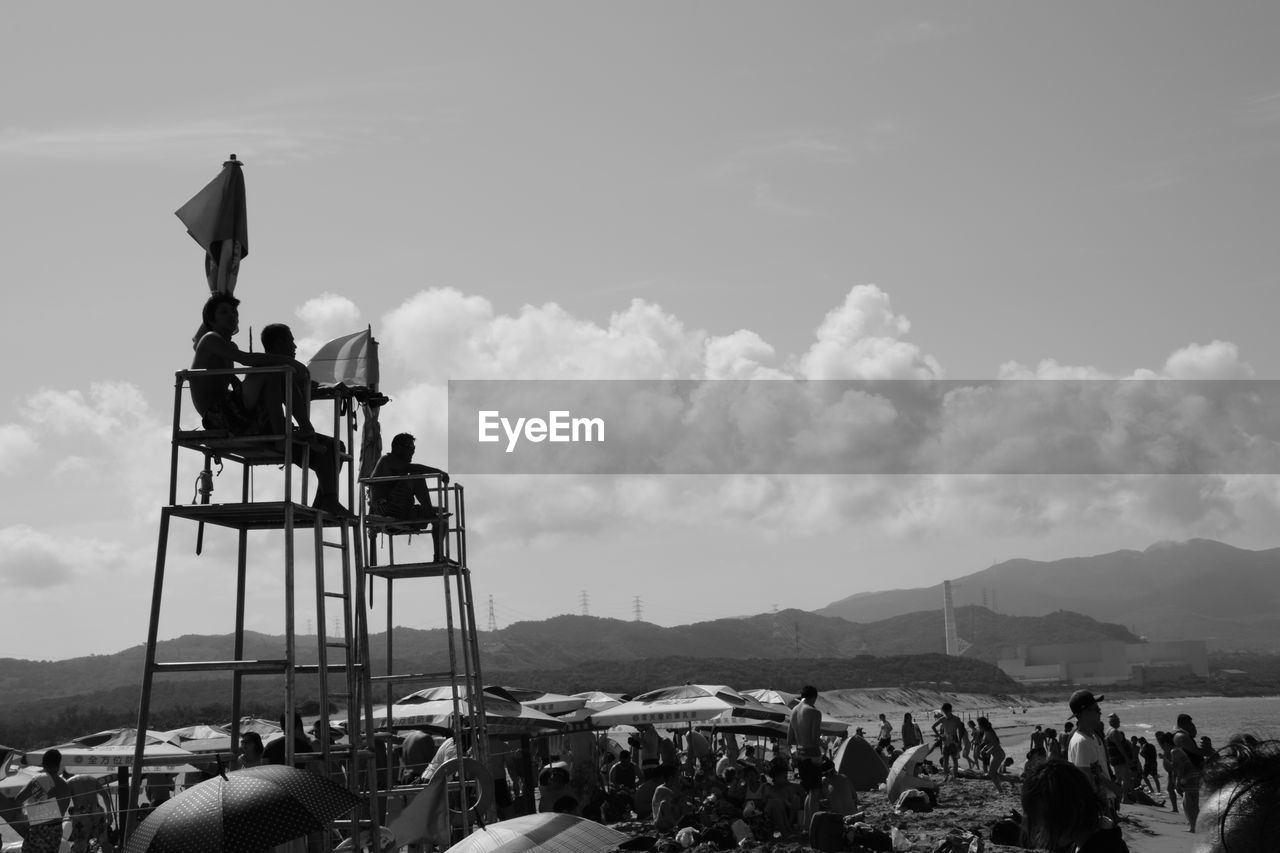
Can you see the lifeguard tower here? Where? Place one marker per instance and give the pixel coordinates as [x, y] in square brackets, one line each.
[271, 506]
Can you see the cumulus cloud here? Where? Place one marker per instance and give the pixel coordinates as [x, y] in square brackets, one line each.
[16, 444]
[36, 560]
[1216, 360]
[324, 318]
[862, 339]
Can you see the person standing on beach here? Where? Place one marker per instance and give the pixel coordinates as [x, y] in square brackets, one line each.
[46, 797]
[885, 742]
[805, 733]
[911, 735]
[89, 820]
[1187, 760]
[1088, 750]
[950, 731]
[1123, 758]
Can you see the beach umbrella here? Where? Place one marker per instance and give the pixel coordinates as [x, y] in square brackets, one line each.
[902, 775]
[597, 700]
[434, 708]
[773, 697]
[244, 810]
[351, 360]
[200, 738]
[264, 728]
[102, 752]
[554, 704]
[216, 219]
[685, 703]
[541, 833]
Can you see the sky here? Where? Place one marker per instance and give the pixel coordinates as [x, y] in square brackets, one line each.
[573, 190]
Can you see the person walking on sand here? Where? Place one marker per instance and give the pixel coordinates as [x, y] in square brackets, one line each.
[804, 731]
[990, 745]
[950, 731]
[884, 743]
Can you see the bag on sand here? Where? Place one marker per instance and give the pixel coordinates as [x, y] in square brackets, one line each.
[865, 835]
[826, 832]
[957, 842]
[1007, 830]
[914, 800]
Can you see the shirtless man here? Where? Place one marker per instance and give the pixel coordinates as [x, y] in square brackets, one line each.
[224, 402]
[950, 731]
[804, 731]
[407, 499]
[264, 393]
[90, 814]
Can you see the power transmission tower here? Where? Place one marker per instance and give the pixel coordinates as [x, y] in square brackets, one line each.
[797, 624]
[585, 601]
[493, 620]
[639, 611]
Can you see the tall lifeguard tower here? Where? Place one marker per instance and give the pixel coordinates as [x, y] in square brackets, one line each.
[271, 505]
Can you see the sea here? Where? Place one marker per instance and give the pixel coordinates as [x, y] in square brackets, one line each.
[1218, 717]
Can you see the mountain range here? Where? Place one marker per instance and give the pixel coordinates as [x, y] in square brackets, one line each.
[1199, 589]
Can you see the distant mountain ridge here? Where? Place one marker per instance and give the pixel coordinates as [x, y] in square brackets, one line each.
[579, 642]
[1199, 589]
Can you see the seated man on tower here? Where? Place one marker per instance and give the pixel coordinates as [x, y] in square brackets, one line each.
[408, 499]
[256, 406]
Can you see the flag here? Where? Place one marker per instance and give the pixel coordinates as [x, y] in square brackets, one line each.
[215, 218]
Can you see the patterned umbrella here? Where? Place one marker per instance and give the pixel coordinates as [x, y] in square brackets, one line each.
[245, 810]
[541, 833]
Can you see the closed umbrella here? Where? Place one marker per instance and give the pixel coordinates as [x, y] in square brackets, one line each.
[216, 219]
[541, 833]
[244, 810]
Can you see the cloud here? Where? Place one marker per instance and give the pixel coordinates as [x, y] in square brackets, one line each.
[324, 318]
[862, 339]
[125, 433]
[16, 444]
[33, 559]
[1216, 360]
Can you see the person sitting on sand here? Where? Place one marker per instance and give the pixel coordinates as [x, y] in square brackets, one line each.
[642, 799]
[1241, 789]
[667, 806]
[251, 751]
[838, 790]
[949, 729]
[782, 804]
[1061, 813]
